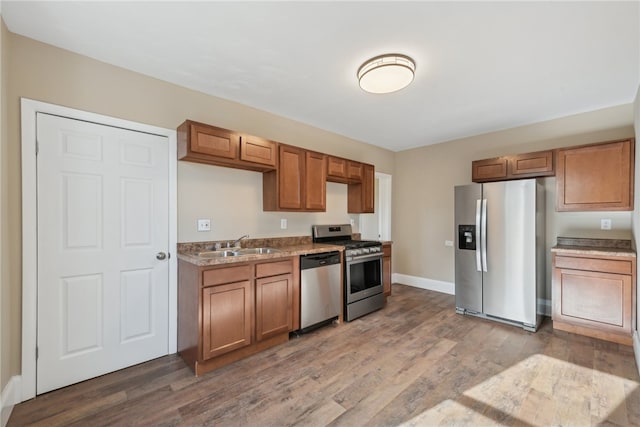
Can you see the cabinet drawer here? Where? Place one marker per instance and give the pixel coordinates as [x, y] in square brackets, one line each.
[274, 268]
[594, 264]
[218, 276]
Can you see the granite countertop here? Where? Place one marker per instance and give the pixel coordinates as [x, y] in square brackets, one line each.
[602, 247]
[286, 251]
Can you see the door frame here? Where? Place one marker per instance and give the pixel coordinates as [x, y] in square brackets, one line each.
[29, 109]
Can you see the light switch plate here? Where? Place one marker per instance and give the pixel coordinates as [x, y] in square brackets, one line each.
[448, 242]
[605, 224]
[204, 225]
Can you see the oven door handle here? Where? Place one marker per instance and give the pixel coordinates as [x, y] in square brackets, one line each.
[363, 258]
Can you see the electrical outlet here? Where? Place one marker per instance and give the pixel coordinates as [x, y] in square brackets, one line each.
[352, 222]
[283, 223]
[204, 225]
[448, 242]
[605, 224]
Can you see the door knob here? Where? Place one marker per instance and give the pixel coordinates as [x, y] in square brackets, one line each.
[161, 255]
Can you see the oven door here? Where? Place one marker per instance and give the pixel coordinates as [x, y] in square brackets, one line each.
[363, 276]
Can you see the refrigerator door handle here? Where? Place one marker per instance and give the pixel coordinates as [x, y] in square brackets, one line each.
[483, 235]
[478, 216]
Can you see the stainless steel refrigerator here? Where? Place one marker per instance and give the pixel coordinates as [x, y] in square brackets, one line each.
[499, 255]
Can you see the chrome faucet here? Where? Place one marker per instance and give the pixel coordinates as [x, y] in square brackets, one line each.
[236, 242]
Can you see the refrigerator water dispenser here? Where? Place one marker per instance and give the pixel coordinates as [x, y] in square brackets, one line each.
[467, 237]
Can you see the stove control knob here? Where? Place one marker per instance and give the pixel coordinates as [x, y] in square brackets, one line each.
[365, 250]
[357, 252]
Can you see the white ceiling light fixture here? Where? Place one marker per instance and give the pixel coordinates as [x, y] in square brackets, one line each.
[386, 73]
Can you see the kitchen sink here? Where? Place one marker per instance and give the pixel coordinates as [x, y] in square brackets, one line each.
[258, 251]
[237, 252]
[216, 254]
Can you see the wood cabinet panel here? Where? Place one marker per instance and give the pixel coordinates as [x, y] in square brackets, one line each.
[489, 169]
[315, 181]
[336, 169]
[386, 269]
[596, 177]
[226, 318]
[223, 275]
[214, 141]
[594, 296]
[355, 171]
[531, 164]
[361, 196]
[595, 264]
[274, 268]
[519, 166]
[299, 183]
[258, 150]
[274, 306]
[202, 143]
[291, 175]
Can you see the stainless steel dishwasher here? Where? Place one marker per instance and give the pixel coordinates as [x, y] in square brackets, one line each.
[320, 289]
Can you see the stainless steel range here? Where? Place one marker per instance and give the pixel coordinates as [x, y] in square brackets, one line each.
[362, 270]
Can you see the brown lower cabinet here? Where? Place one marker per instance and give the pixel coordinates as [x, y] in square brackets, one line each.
[386, 268]
[228, 312]
[595, 295]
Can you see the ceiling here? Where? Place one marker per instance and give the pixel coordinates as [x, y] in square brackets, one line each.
[481, 66]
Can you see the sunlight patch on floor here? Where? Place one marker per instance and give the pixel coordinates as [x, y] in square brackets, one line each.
[538, 391]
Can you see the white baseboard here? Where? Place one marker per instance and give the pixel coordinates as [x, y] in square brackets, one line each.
[9, 398]
[636, 348]
[424, 283]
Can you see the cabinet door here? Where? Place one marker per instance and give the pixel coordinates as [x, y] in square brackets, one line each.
[291, 175]
[337, 168]
[361, 196]
[593, 299]
[226, 318]
[386, 269]
[274, 306]
[596, 177]
[531, 164]
[214, 141]
[315, 181]
[354, 171]
[489, 169]
[258, 150]
[368, 189]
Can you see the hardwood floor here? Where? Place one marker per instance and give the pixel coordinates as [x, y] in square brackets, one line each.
[414, 363]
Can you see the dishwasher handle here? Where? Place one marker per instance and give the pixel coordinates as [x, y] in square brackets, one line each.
[319, 260]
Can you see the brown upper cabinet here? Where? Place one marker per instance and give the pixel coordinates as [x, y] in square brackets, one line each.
[299, 184]
[337, 169]
[202, 143]
[361, 195]
[343, 170]
[596, 177]
[529, 165]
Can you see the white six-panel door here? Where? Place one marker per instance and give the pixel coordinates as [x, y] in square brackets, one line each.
[103, 226]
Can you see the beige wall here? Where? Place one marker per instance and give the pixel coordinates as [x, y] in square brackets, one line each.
[425, 177]
[3, 376]
[231, 198]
